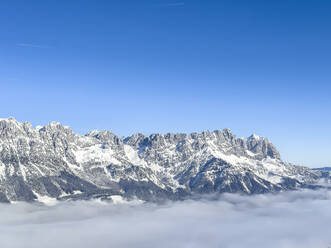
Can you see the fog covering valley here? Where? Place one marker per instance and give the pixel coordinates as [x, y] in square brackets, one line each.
[290, 219]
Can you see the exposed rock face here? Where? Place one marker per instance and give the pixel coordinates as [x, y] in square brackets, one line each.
[53, 162]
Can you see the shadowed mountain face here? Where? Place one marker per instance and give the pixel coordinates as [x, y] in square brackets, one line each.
[52, 162]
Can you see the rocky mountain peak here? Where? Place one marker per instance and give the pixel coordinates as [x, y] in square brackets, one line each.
[10, 128]
[135, 140]
[262, 146]
[54, 162]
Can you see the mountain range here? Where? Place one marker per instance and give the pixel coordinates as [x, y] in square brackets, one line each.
[48, 163]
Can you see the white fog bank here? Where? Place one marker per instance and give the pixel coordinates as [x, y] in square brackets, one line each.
[299, 219]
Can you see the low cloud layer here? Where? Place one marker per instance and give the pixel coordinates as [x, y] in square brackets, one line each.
[293, 219]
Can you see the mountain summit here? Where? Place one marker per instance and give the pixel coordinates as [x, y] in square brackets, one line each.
[52, 162]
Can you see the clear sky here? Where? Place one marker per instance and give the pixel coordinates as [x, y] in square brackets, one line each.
[173, 66]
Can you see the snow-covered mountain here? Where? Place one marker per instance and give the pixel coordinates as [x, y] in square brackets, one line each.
[52, 162]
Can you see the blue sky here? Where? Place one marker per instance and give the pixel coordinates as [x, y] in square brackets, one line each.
[173, 66]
